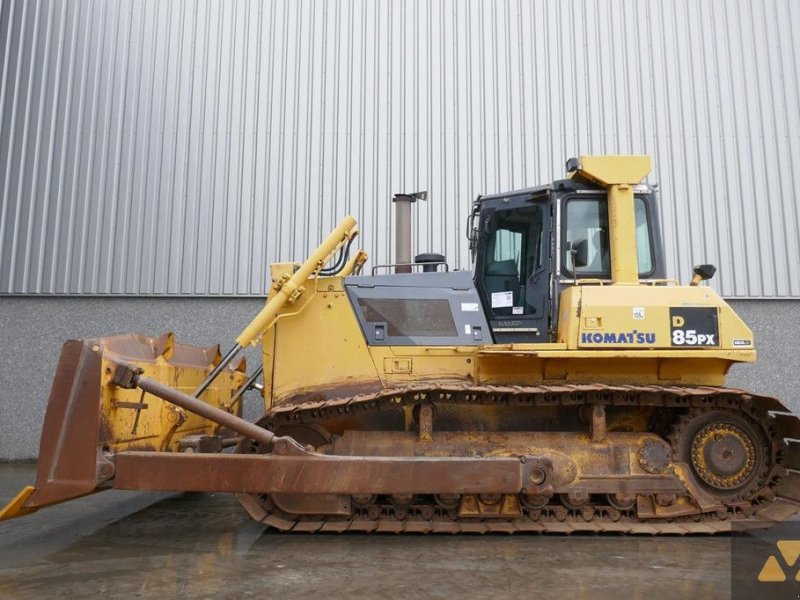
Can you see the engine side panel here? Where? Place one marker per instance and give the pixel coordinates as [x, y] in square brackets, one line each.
[649, 317]
[423, 309]
[318, 350]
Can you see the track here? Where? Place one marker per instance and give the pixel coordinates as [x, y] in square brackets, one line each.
[776, 498]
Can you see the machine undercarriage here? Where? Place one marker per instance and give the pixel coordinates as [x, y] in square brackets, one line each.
[636, 459]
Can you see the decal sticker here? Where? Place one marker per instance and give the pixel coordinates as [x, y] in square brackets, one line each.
[469, 307]
[694, 327]
[467, 329]
[623, 337]
[742, 343]
[502, 299]
[638, 313]
[517, 310]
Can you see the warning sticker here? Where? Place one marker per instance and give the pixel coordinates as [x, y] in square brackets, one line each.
[502, 299]
[469, 307]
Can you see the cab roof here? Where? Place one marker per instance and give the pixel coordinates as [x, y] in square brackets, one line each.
[561, 185]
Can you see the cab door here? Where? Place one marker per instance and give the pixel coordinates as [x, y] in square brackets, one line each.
[513, 268]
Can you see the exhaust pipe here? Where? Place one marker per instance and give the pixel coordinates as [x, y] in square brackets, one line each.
[402, 248]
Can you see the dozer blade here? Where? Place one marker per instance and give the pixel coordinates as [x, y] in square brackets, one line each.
[89, 420]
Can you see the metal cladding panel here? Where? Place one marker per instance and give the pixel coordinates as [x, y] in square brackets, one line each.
[157, 147]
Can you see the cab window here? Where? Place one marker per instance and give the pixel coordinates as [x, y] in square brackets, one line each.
[587, 219]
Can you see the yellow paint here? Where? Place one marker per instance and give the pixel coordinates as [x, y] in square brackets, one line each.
[319, 345]
[790, 550]
[771, 571]
[317, 349]
[268, 357]
[619, 174]
[161, 425]
[614, 307]
[354, 264]
[622, 235]
[290, 287]
[16, 507]
[611, 170]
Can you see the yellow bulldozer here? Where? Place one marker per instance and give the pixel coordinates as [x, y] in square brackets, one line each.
[564, 384]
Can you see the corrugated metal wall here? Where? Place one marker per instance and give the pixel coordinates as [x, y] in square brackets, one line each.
[175, 147]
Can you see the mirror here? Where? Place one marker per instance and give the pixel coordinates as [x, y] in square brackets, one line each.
[705, 272]
[579, 250]
[702, 273]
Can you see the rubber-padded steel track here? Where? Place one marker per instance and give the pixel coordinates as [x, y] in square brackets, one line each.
[778, 499]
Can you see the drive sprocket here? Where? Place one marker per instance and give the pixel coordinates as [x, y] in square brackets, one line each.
[729, 453]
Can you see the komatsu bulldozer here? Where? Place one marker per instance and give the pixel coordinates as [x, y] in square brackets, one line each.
[563, 385]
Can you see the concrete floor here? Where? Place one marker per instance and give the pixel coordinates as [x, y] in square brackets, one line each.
[128, 544]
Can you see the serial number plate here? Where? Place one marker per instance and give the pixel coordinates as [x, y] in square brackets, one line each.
[694, 327]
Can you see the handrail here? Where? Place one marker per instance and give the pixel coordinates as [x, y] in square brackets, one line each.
[412, 264]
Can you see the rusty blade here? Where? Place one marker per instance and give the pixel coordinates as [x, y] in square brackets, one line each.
[79, 429]
[321, 474]
[68, 449]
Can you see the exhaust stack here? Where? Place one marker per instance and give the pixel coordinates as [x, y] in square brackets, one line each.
[402, 252]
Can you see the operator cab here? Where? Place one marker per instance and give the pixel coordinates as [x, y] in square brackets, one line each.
[524, 244]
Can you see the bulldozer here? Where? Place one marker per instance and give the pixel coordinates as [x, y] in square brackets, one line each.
[564, 384]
